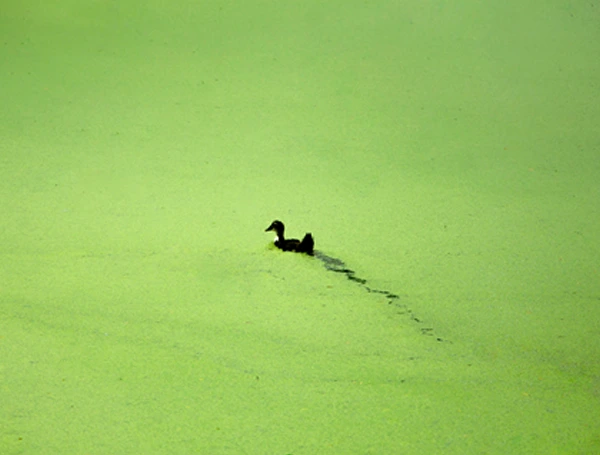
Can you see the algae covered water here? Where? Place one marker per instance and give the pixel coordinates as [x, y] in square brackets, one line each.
[444, 157]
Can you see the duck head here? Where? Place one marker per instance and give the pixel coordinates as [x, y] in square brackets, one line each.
[278, 227]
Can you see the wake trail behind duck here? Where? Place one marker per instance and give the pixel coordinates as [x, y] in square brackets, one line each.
[338, 266]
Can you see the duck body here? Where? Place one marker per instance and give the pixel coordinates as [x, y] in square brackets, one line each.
[306, 245]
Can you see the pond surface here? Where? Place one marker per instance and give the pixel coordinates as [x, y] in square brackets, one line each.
[444, 158]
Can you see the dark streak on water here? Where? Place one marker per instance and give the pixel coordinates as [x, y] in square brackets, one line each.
[338, 266]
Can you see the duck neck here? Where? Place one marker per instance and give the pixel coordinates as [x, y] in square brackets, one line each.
[279, 236]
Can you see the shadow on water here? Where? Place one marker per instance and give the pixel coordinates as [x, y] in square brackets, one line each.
[338, 266]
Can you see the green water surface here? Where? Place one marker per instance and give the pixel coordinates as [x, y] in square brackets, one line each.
[447, 153]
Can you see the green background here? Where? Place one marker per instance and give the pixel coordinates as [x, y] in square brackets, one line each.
[448, 153]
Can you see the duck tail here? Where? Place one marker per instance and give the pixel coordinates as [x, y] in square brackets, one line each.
[307, 244]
